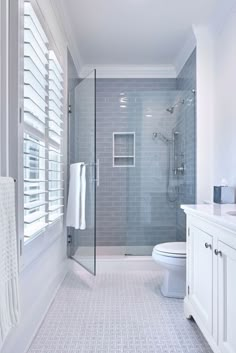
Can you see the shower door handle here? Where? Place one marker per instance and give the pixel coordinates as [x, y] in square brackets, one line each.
[97, 165]
[96, 175]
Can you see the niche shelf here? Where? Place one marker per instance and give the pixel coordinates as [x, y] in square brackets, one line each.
[123, 149]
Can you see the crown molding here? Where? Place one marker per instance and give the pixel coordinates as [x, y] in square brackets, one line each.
[185, 52]
[130, 71]
[59, 6]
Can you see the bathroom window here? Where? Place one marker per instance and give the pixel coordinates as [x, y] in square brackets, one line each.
[43, 128]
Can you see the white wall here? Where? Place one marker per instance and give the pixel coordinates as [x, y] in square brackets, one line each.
[224, 144]
[204, 111]
[216, 97]
[44, 260]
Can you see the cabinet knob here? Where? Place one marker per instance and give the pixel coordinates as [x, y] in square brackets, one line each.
[207, 246]
[218, 252]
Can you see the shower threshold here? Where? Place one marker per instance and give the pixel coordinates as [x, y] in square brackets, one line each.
[125, 251]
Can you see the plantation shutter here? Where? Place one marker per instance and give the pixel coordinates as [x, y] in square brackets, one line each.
[43, 114]
[55, 138]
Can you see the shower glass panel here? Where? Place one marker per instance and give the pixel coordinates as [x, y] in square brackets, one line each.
[164, 172]
[82, 137]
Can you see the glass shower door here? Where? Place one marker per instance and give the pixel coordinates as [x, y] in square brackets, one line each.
[82, 149]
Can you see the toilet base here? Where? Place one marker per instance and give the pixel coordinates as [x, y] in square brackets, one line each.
[174, 284]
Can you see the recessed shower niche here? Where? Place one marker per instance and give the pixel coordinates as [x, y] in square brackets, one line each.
[123, 149]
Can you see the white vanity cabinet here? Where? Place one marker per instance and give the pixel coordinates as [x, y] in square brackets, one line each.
[211, 275]
[200, 284]
[227, 298]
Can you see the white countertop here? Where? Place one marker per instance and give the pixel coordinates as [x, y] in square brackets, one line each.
[216, 213]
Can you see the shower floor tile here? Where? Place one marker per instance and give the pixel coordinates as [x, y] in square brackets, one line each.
[116, 312]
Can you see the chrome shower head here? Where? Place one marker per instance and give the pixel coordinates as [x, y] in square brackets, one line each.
[170, 110]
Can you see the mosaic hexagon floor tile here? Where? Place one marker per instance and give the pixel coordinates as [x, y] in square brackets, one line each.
[116, 313]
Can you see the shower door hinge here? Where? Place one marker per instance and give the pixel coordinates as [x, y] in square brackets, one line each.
[188, 290]
[69, 238]
[69, 109]
[20, 115]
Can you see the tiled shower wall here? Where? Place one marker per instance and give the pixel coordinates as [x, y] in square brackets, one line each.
[131, 202]
[132, 208]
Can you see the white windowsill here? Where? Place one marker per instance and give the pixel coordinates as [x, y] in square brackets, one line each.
[34, 247]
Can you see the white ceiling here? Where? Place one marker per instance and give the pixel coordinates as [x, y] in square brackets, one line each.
[132, 32]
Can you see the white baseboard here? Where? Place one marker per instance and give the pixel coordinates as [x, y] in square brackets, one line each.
[21, 337]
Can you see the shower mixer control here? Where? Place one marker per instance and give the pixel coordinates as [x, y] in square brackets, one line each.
[179, 170]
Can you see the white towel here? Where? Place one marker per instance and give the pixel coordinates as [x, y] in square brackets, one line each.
[9, 279]
[77, 197]
[83, 198]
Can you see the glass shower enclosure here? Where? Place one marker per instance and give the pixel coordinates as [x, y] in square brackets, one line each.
[82, 149]
[143, 133]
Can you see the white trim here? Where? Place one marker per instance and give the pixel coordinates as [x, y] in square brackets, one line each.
[185, 53]
[4, 87]
[130, 71]
[32, 319]
[64, 21]
[39, 243]
[34, 247]
[53, 43]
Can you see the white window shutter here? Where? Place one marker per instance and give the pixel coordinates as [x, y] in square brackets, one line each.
[43, 128]
[55, 138]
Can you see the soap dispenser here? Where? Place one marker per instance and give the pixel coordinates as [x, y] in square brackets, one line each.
[224, 193]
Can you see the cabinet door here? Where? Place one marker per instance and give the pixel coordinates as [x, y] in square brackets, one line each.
[201, 285]
[227, 298]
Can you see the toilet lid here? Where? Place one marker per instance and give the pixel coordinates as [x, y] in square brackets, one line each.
[173, 248]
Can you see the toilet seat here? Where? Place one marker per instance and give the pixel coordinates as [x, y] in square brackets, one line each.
[172, 249]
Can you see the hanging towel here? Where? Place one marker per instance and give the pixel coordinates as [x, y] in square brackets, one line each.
[77, 197]
[83, 197]
[9, 286]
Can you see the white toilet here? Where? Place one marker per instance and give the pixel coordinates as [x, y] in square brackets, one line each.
[172, 258]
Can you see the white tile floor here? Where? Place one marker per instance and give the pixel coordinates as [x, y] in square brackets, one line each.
[116, 312]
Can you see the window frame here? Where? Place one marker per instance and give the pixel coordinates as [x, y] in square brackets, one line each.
[41, 241]
[4, 97]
